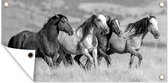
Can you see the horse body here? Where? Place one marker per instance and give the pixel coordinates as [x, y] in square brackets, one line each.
[69, 43]
[44, 42]
[118, 43]
[135, 33]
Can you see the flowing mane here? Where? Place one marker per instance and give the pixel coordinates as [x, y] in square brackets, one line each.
[139, 26]
[50, 22]
[110, 25]
[54, 19]
[87, 26]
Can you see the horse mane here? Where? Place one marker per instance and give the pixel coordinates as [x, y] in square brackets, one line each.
[53, 19]
[86, 26]
[139, 26]
[62, 16]
[50, 22]
[110, 25]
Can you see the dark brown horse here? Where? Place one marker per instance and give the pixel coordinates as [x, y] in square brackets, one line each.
[84, 40]
[45, 42]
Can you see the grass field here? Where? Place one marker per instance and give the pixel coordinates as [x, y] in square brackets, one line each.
[152, 66]
[32, 14]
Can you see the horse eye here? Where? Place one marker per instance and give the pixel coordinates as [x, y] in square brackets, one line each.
[63, 21]
[98, 19]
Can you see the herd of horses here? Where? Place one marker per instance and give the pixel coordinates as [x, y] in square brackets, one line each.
[96, 38]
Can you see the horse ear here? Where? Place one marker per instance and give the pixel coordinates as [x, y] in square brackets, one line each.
[56, 15]
[94, 13]
[148, 16]
[108, 17]
[109, 20]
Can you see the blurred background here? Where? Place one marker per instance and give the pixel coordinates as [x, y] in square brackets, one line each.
[33, 14]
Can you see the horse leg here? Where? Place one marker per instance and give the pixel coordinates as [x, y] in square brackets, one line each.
[62, 57]
[131, 60]
[108, 61]
[77, 59]
[99, 58]
[103, 54]
[54, 59]
[47, 59]
[136, 53]
[64, 60]
[140, 60]
[59, 60]
[87, 63]
[69, 59]
[94, 53]
[108, 52]
[86, 53]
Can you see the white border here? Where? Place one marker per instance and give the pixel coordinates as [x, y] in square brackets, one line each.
[10, 72]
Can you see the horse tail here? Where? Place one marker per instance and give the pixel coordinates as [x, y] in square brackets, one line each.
[10, 44]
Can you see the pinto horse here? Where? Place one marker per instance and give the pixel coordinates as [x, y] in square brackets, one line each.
[84, 40]
[44, 42]
[103, 39]
[134, 35]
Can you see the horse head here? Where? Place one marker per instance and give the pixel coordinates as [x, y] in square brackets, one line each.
[153, 26]
[64, 24]
[61, 23]
[101, 22]
[114, 26]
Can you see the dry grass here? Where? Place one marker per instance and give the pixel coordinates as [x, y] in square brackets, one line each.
[152, 66]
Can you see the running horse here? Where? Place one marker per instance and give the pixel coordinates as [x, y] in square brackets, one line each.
[44, 42]
[133, 39]
[84, 40]
[103, 39]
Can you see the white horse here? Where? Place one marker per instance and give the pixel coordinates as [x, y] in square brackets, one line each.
[84, 39]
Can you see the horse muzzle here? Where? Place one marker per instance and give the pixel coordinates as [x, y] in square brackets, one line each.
[157, 35]
[70, 33]
[106, 30]
[120, 33]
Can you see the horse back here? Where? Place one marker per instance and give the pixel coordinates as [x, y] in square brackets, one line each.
[17, 40]
[29, 41]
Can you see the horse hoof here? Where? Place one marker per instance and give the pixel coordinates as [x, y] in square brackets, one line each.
[50, 65]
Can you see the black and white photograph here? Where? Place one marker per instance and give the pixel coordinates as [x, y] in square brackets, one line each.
[90, 40]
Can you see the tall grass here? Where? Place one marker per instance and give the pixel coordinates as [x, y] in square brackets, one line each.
[153, 65]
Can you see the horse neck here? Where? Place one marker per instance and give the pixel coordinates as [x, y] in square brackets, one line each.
[141, 36]
[144, 34]
[51, 33]
[80, 33]
[110, 33]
